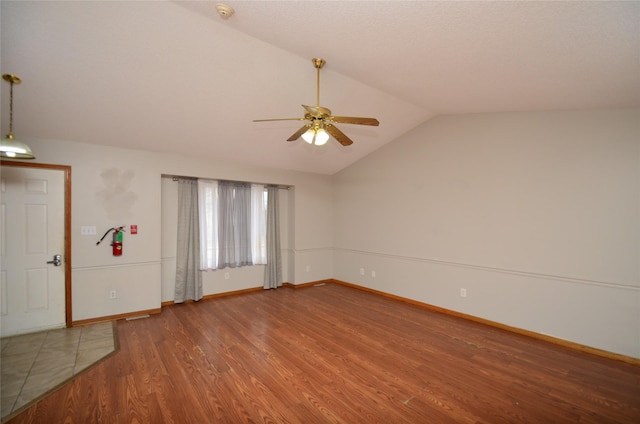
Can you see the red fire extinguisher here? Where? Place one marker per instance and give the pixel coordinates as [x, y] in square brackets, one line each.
[116, 243]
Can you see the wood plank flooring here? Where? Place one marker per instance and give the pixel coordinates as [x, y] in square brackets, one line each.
[334, 354]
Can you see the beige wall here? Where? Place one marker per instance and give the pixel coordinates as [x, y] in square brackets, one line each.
[536, 215]
[113, 186]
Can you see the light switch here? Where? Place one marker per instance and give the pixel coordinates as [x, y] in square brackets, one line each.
[88, 230]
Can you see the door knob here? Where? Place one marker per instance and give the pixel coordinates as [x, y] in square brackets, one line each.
[57, 260]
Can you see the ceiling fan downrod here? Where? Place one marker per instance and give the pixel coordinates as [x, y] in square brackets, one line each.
[318, 63]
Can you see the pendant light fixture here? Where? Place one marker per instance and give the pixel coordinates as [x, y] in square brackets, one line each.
[9, 146]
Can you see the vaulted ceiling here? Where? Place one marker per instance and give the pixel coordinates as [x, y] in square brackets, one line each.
[175, 77]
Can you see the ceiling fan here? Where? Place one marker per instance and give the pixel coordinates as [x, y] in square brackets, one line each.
[320, 120]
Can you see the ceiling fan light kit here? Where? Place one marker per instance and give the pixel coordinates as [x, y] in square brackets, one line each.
[320, 125]
[316, 136]
[9, 146]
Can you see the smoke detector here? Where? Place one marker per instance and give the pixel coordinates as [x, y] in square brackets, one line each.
[224, 11]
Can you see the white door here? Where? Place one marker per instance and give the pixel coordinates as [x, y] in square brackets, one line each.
[32, 293]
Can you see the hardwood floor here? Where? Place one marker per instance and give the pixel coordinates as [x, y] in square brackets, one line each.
[334, 354]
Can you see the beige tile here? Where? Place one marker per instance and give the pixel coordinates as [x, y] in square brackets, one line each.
[3, 342]
[12, 388]
[38, 384]
[53, 342]
[72, 333]
[96, 344]
[33, 364]
[53, 359]
[89, 357]
[97, 331]
[17, 364]
[23, 344]
[7, 403]
[58, 349]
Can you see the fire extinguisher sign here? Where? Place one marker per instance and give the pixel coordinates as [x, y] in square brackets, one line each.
[133, 229]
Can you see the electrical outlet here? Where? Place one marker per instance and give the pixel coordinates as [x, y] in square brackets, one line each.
[463, 292]
[308, 268]
[373, 274]
[361, 271]
[226, 276]
[113, 294]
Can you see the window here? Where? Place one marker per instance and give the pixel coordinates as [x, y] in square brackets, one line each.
[232, 224]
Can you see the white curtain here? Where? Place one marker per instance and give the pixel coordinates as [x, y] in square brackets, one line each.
[258, 224]
[273, 269]
[208, 218]
[234, 229]
[188, 279]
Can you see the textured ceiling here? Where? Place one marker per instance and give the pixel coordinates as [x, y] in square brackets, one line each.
[174, 77]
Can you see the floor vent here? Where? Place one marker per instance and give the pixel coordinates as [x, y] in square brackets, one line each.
[138, 317]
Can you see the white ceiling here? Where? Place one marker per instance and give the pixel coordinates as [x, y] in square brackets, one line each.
[176, 77]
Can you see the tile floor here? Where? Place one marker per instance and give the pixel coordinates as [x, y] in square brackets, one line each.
[34, 364]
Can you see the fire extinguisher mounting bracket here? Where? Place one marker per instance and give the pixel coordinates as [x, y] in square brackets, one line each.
[121, 228]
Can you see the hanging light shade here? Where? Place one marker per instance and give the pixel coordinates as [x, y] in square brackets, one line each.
[316, 135]
[9, 146]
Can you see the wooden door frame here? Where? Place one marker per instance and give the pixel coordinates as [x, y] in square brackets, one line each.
[67, 226]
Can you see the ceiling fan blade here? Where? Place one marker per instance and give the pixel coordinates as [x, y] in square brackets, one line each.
[355, 120]
[279, 119]
[298, 133]
[338, 135]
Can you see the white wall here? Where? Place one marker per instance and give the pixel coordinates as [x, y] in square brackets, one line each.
[114, 186]
[536, 215]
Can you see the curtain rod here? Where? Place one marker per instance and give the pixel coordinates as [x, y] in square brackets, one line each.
[176, 177]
